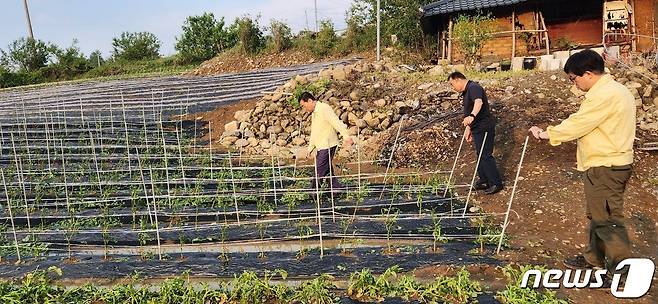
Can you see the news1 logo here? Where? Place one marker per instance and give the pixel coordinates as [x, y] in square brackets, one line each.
[638, 278]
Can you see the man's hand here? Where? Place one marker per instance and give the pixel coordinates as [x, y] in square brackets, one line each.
[468, 135]
[308, 154]
[535, 131]
[348, 142]
[468, 120]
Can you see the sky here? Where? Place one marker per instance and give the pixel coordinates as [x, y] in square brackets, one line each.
[94, 23]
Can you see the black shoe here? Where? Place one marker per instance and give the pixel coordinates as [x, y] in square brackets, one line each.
[493, 189]
[579, 262]
[480, 186]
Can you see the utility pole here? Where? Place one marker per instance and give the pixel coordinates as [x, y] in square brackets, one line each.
[316, 16]
[29, 22]
[378, 32]
[306, 15]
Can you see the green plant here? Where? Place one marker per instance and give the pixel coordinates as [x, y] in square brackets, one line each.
[390, 223]
[326, 39]
[457, 289]
[303, 230]
[564, 43]
[135, 46]
[204, 37]
[471, 33]
[316, 88]
[27, 54]
[436, 232]
[408, 288]
[249, 34]
[316, 291]
[72, 226]
[281, 35]
[515, 294]
[248, 288]
[363, 286]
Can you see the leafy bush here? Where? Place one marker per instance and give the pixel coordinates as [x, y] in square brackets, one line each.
[281, 35]
[325, 40]
[249, 34]
[316, 291]
[204, 37]
[10, 79]
[136, 46]
[26, 54]
[398, 17]
[471, 33]
[96, 59]
[361, 33]
[315, 88]
[70, 62]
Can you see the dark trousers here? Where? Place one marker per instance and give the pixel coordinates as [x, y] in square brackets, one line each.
[604, 195]
[487, 170]
[323, 168]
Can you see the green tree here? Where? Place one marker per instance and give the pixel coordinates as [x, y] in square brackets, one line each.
[27, 54]
[326, 39]
[281, 35]
[249, 34]
[96, 59]
[136, 46]
[471, 33]
[204, 37]
[69, 62]
[398, 17]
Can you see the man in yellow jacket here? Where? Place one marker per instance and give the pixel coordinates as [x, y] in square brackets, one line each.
[324, 140]
[604, 128]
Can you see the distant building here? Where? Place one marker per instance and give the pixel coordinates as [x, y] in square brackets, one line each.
[532, 27]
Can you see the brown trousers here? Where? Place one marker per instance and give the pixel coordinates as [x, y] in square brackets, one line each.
[604, 194]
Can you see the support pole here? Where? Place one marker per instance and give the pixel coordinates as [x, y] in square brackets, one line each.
[477, 164]
[317, 198]
[390, 159]
[454, 164]
[378, 31]
[513, 34]
[509, 204]
[235, 197]
[155, 213]
[11, 216]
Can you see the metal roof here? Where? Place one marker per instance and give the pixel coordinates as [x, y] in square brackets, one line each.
[451, 6]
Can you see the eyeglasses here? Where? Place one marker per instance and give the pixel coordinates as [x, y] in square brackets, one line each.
[573, 77]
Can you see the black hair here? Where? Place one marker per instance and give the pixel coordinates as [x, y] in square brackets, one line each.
[456, 75]
[585, 61]
[305, 97]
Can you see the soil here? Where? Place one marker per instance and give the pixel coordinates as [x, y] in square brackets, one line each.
[235, 61]
[547, 222]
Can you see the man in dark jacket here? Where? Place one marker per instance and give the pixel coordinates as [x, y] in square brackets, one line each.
[478, 122]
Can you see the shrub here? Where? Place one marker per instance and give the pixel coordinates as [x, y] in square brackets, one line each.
[281, 35]
[95, 59]
[136, 46]
[204, 37]
[70, 62]
[26, 54]
[471, 33]
[325, 40]
[249, 34]
[10, 79]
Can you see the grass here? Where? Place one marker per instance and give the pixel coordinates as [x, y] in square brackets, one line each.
[118, 70]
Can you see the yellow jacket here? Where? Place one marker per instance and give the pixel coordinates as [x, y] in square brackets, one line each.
[604, 126]
[324, 124]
